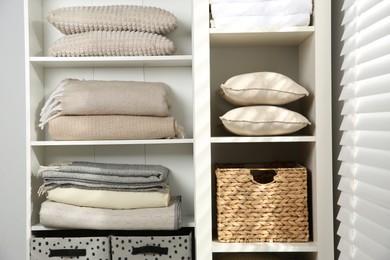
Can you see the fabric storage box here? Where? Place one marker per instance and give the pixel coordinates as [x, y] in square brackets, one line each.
[153, 245]
[87, 248]
[262, 202]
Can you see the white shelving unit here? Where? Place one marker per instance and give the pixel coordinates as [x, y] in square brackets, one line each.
[205, 58]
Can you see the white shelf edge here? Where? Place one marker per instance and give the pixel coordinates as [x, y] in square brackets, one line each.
[186, 221]
[286, 36]
[262, 139]
[112, 142]
[171, 60]
[219, 247]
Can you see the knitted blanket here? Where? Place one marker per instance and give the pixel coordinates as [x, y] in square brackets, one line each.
[109, 199]
[113, 127]
[59, 215]
[105, 176]
[100, 97]
[78, 19]
[112, 43]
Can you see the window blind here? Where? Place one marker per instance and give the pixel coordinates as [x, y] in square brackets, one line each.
[364, 200]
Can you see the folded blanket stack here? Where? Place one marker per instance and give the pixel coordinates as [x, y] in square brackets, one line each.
[109, 110]
[240, 14]
[90, 195]
[113, 30]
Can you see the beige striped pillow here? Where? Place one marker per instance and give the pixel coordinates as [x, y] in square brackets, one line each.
[79, 19]
[112, 43]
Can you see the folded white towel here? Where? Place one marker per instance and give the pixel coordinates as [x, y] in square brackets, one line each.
[242, 22]
[239, 1]
[269, 8]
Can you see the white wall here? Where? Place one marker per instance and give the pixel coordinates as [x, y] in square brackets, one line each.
[12, 132]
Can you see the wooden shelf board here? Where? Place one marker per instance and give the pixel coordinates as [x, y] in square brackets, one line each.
[112, 142]
[148, 61]
[286, 36]
[219, 247]
[262, 139]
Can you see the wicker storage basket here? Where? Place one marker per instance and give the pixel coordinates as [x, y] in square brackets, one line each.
[262, 203]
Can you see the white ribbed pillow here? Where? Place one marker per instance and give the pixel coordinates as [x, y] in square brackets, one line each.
[112, 43]
[263, 120]
[78, 19]
[261, 88]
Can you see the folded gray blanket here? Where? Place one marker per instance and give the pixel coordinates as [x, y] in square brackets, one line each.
[105, 176]
[148, 171]
[59, 215]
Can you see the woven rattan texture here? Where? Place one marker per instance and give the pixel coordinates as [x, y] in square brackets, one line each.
[248, 211]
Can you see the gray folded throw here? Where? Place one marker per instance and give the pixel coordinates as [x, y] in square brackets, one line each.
[104, 176]
[78, 19]
[59, 215]
[112, 43]
[147, 171]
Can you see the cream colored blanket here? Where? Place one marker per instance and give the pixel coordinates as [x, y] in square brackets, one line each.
[60, 215]
[99, 97]
[109, 199]
[113, 127]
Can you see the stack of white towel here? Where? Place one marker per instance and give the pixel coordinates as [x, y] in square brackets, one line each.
[240, 14]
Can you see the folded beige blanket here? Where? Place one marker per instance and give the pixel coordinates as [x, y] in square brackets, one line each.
[60, 215]
[99, 97]
[78, 19]
[112, 43]
[98, 198]
[113, 127]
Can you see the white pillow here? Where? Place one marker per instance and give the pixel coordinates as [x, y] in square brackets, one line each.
[261, 88]
[263, 120]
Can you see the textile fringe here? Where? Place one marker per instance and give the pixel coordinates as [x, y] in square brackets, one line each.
[52, 107]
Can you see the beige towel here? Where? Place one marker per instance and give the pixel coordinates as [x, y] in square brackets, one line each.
[78, 19]
[113, 127]
[112, 43]
[99, 97]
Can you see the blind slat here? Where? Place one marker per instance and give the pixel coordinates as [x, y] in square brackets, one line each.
[368, 87]
[366, 122]
[364, 183]
[366, 139]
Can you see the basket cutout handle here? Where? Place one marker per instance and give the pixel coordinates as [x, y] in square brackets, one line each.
[67, 252]
[263, 176]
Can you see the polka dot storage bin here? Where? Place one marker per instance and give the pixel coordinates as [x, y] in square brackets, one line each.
[161, 247]
[83, 248]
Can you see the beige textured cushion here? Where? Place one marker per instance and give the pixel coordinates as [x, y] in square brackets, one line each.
[112, 43]
[263, 120]
[78, 19]
[261, 88]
